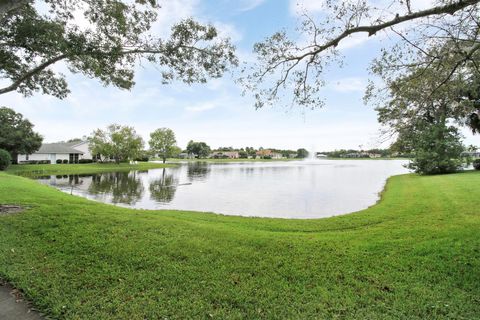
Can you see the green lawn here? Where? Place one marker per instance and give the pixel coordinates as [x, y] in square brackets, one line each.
[415, 255]
[39, 169]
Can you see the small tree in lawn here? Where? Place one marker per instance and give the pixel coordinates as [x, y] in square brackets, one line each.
[163, 142]
[118, 142]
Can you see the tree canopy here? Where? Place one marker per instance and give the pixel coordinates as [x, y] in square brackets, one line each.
[115, 36]
[199, 149]
[16, 134]
[291, 72]
[117, 142]
[162, 142]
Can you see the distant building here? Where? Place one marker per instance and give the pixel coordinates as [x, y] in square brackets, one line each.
[357, 155]
[225, 155]
[474, 154]
[374, 155]
[52, 152]
[275, 155]
[185, 155]
[292, 155]
[264, 153]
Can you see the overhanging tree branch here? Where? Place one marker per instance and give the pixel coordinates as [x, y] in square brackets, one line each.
[32, 73]
[373, 29]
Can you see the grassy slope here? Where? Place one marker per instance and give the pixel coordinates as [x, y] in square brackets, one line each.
[35, 169]
[414, 255]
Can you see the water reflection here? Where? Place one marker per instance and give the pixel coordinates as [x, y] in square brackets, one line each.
[271, 189]
[198, 171]
[163, 189]
[123, 187]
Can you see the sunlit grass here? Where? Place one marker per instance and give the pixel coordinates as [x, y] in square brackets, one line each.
[415, 255]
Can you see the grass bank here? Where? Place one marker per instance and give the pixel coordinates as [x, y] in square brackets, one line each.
[415, 255]
[39, 169]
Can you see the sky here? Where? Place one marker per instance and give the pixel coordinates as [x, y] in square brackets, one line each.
[216, 112]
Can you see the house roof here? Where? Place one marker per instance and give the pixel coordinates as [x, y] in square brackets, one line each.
[57, 148]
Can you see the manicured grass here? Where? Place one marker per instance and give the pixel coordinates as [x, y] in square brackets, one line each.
[415, 255]
[39, 169]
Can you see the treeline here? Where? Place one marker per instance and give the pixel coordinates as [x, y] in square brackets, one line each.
[371, 153]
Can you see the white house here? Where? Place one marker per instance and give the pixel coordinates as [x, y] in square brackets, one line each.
[52, 152]
[83, 147]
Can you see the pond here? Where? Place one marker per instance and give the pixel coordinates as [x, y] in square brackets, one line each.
[290, 189]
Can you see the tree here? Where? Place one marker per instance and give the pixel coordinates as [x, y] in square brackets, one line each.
[116, 142]
[285, 65]
[436, 149]
[16, 134]
[117, 36]
[163, 142]
[199, 149]
[5, 159]
[419, 112]
[302, 153]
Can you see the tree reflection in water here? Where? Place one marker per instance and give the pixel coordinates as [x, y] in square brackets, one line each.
[163, 189]
[124, 187]
[198, 171]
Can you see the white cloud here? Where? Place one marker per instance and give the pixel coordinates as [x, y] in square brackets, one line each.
[351, 84]
[171, 12]
[247, 5]
[201, 107]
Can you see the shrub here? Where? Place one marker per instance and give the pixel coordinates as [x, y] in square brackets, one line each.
[5, 159]
[85, 161]
[142, 159]
[65, 161]
[437, 149]
[59, 161]
[476, 164]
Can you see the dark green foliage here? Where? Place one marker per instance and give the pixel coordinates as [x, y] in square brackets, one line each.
[199, 149]
[119, 35]
[476, 164]
[16, 134]
[59, 161]
[85, 161]
[243, 154]
[36, 162]
[436, 149]
[65, 161]
[5, 159]
[142, 158]
[302, 153]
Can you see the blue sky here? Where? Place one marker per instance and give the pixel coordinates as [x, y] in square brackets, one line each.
[216, 112]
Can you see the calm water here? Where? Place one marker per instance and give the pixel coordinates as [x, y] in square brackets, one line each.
[299, 189]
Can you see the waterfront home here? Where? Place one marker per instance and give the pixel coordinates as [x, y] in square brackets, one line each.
[225, 155]
[61, 151]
